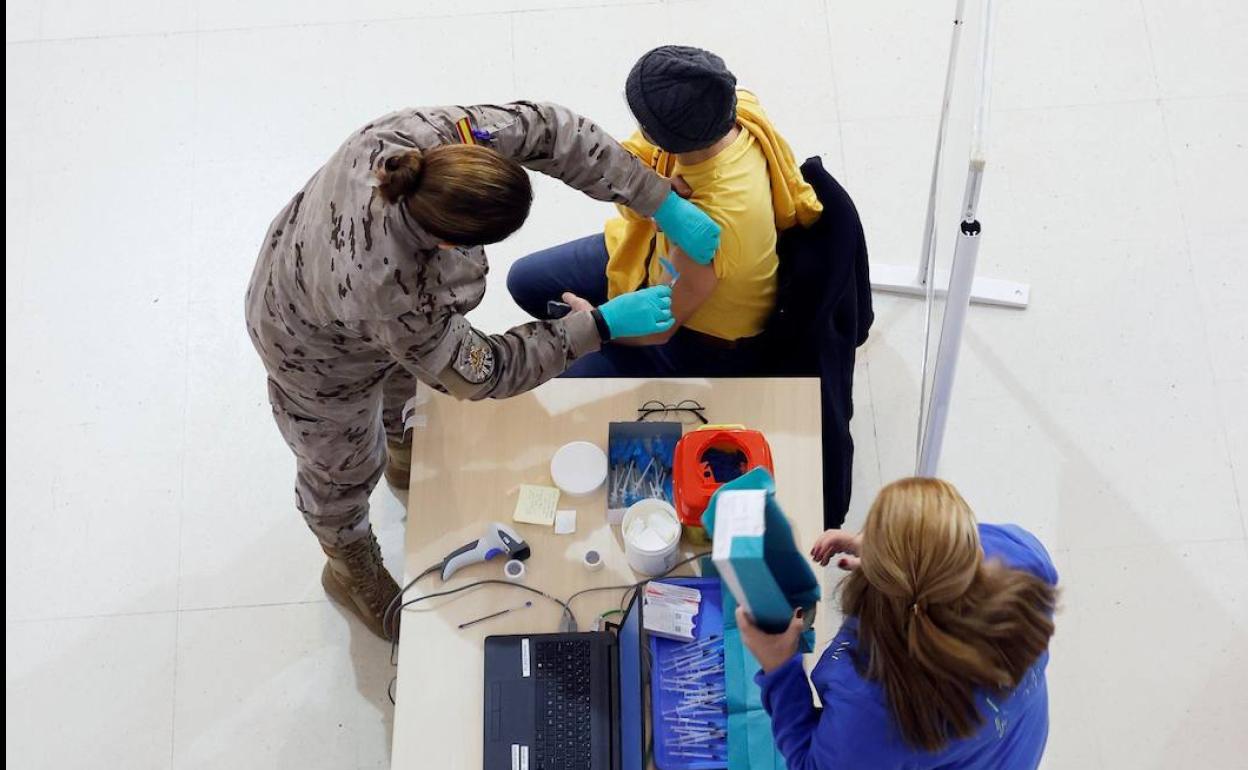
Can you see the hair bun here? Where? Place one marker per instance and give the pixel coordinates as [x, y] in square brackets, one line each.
[400, 175]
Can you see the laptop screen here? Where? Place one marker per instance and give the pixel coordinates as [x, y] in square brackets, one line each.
[632, 720]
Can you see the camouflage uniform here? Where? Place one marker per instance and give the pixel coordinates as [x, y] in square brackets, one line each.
[351, 302]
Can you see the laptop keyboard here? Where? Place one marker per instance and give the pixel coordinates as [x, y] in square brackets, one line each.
[563, 705]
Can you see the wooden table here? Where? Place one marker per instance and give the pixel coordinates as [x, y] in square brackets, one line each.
[468, 462]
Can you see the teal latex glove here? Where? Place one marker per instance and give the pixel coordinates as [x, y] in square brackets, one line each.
[638, 313]
[689, 228]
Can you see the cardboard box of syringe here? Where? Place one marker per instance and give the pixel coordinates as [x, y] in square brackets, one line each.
[738, 554]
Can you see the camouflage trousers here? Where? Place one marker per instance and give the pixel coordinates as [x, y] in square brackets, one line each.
[340, 451]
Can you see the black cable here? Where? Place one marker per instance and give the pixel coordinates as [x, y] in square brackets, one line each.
[583, 591]
[394, 642]
[627, 588]
[488, 581]
[565, 604]
[640, 583]
[387, 616]
[675, 567]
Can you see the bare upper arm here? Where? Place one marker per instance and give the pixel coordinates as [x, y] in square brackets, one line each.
[696, 285]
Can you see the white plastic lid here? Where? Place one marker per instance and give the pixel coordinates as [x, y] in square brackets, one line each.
[578, 468]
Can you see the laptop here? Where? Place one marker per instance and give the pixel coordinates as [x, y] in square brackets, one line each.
[566, 701]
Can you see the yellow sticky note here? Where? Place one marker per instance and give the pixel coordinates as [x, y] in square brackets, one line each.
[536, 505]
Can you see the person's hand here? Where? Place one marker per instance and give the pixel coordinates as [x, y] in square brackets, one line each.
[836, 541]
[680, 186]
[575, 302]
[639, 313]
[689, 228]
[770, 650]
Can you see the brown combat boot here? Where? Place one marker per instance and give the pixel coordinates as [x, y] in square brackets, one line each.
[355, 578]
[399, 464]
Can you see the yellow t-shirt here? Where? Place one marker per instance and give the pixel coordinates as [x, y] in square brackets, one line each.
[734, 189]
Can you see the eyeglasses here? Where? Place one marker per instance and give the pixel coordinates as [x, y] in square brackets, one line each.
[682, 409]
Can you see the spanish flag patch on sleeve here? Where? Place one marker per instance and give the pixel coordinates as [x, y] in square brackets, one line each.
[464, 128]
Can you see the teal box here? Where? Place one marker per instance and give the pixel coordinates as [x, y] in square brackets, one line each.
[756, 556]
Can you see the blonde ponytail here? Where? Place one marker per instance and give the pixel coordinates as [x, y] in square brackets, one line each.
[935, 622]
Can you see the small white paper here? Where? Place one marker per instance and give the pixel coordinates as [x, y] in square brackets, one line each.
[649, 540]
[565, 522]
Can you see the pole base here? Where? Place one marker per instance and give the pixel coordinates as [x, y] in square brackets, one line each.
[903, 279]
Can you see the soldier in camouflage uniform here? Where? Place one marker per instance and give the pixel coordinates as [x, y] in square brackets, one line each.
[352, 302]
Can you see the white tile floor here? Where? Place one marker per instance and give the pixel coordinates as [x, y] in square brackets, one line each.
[162, 598]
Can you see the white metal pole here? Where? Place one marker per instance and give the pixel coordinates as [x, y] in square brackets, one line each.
[942, 128]
[930, 280]
[979, 129]
[962, 274]
[958, 302]
[927, 277]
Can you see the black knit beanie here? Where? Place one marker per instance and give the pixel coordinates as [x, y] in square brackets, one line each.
[684, 98]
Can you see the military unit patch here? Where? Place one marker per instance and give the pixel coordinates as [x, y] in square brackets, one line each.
[475, 360]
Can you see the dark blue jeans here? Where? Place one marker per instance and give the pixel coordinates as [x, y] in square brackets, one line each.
[580, 267]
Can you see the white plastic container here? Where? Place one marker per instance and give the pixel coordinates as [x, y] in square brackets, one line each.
[578, 468]
[651, 536]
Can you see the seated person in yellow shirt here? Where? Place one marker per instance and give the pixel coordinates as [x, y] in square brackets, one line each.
[685, 101]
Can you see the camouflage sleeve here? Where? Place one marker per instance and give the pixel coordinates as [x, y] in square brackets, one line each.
[560, 143]
[469, 364]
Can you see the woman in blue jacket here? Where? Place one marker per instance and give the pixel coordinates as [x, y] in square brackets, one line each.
[940, 662]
